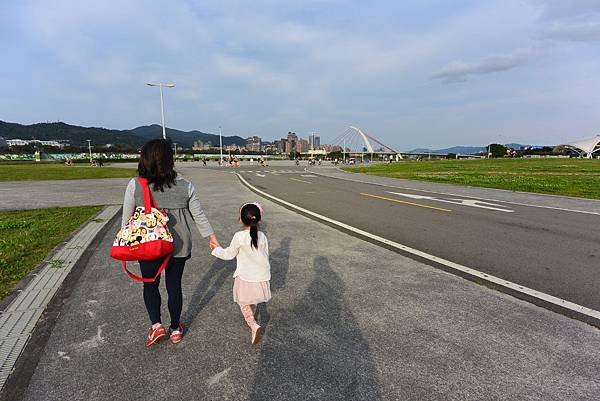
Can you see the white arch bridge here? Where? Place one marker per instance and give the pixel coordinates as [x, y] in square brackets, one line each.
[355, 142]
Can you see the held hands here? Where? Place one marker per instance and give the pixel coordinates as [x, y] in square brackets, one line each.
[213, 242]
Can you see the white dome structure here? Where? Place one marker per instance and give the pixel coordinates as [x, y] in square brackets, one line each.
[585, 147]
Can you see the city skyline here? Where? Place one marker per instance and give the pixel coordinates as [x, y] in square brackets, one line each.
[416, 74]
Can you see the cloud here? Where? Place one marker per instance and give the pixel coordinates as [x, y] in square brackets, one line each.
[459, 71]
[569, 20]
[561, 9]
[587, 32]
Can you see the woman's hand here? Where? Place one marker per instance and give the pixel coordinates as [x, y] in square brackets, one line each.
[213, 242]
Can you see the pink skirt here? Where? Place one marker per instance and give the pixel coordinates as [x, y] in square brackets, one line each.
[250, 293]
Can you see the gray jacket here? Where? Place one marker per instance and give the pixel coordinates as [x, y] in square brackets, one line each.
[182, 206]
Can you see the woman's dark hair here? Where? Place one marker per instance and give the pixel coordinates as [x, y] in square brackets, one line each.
[250, 216]
[156, 164]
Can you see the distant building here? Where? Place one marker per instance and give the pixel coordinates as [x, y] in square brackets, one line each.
[279, 146]
[232, 147]
[3, 143]
[271, 148]
[291, 142]
[199, 145]
[302, 146]
[314, 141]
[17, 142]
[25, 142]
[253, 143]
[332, 148]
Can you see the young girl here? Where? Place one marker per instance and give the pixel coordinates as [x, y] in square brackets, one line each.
[253, 272]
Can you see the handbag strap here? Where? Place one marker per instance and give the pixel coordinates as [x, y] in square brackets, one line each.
[148, 279]
[149, 202]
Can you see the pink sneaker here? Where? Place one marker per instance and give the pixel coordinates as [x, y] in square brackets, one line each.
[257, 333]
[155, 334]
[177, 334]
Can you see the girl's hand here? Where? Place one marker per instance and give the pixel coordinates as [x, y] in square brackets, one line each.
[213, 242]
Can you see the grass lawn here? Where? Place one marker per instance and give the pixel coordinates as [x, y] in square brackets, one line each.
[52, 171]
[571, 177]
[27, 236]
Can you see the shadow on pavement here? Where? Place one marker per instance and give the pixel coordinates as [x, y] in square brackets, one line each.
[316, 351]
[207, 288]
[280, 264]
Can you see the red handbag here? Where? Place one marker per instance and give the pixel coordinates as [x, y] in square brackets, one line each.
[145, 236]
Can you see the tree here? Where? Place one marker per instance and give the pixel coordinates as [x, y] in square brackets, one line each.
[497, 150]
[337, 154]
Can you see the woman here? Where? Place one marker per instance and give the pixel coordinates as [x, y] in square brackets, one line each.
[177, 196]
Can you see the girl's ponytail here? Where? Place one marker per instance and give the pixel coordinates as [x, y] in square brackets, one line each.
[250, 216]
[254, 234]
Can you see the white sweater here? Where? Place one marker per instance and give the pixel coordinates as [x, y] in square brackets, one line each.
[252, 264]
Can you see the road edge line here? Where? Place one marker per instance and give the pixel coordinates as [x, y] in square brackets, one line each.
[547, 301]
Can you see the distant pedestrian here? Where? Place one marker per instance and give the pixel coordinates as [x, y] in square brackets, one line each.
[177, 196]
[253, 273]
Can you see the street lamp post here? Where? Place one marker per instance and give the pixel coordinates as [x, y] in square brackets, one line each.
[162, 105]
[90, 149]
[221, 145]
[175, 146]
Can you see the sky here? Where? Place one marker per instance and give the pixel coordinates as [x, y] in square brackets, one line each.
[412, 73]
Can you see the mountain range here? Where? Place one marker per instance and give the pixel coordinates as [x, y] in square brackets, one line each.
[78, 136]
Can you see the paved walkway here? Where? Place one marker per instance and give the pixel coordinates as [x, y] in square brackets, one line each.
[57, 193]
[349, 320]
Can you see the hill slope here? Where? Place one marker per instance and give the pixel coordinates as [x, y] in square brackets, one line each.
[186, 138]
[101, 136]
[77, 135]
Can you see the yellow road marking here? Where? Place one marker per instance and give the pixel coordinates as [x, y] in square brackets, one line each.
[441, 209]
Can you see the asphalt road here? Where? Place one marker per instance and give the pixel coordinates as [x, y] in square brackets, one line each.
[548, 250]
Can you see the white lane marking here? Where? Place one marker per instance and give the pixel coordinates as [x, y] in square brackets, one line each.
[463, 202]
[307, 175]
[458, 267]
[260, 175]
[306, 182]
[475, 197]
